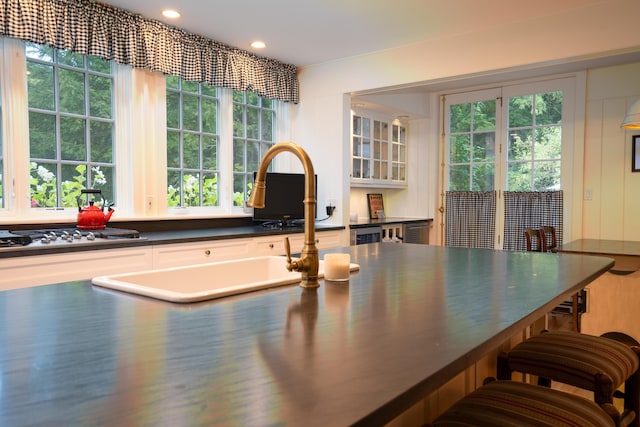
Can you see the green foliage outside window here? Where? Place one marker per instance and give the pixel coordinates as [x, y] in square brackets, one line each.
[534, 147]
[44, 188]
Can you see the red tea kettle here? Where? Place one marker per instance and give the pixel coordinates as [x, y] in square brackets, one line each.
[92, 217]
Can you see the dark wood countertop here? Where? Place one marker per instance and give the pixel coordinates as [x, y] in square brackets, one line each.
[359, 353]
[625, 253]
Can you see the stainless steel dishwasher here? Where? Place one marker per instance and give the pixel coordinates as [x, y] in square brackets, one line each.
[416, 232]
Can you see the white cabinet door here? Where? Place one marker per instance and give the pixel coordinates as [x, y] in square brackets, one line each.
[23, 272]
[180, 254]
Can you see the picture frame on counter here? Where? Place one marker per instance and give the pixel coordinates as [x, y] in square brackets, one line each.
[376, 206]
[635, 153]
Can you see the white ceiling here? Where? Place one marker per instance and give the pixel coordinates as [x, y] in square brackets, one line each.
[305, 32]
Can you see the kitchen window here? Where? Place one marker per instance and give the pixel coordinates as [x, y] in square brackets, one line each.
[254, 121]
[70, 98]
[155, 145]
[192, 143]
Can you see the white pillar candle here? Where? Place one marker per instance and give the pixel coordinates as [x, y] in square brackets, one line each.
[336, 267]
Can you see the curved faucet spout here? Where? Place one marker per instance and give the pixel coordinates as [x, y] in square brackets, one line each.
[308, 264]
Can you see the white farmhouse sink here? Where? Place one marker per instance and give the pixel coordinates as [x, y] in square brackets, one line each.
[207, 281]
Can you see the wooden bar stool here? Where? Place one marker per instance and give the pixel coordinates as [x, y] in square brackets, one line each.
[545, 241]
[598, 364]
[510, 403]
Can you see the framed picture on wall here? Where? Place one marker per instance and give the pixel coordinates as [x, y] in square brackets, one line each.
[635, 153]
[376, 206]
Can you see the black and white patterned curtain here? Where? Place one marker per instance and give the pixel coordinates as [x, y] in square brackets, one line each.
[530, 209]
[470, 219]
[92, 28]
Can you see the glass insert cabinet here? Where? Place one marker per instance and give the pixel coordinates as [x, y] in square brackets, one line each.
[378, 151]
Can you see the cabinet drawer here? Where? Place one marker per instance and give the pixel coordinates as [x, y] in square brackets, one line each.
[38, 270]
[199, 253]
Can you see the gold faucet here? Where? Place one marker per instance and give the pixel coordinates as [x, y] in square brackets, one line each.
[308, 264]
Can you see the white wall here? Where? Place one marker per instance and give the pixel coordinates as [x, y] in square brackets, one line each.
[614, 209]
[322, 125]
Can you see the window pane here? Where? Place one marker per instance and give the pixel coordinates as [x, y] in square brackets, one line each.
[210, 153]
[267, 125]
[253, 155]
[172, 82]
[44, 192]
[191, 87]
[173, 149]
[173, 194]
[191, 185]
[99, 65]
[459, 178]
[209, 115]
[520, 145]
[173, 110]
[548, 143]
[72, 96]
[191, 151]
[549, 108]
[40, 86]
[484, 147]
[519, 176]
[520, 111]
[484, 115]
[209, 90]
[460, 118]
[239, 160]
[101, 141]
[74, 178]
[460, 149]
[100, 96]
[252, 126]
[190, 112]
[546, 176]
[72, 139]
[66, 57]
[483, 177]
[42, 136]
[210, 190]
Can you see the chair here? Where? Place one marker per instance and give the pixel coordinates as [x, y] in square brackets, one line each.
[510, 403]
[529, 235]
[548, 237]
[546, 241]
[598, 364]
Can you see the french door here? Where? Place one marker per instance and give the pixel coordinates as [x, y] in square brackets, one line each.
[509, 138]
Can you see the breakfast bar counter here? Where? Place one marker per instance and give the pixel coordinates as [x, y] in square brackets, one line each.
[613, 299]
[356, 353]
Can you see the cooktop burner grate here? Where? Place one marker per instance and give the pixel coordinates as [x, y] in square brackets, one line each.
[25, 237]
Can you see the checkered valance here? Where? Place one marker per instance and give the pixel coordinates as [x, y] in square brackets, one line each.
[92, 28]
[470, 219]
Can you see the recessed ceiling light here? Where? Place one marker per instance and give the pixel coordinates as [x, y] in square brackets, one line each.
[170, 13]
[258, 45]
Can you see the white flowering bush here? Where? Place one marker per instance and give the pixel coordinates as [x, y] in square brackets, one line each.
[44, 190]
[192, 196]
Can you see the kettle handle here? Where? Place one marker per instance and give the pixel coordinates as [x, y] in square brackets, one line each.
[90, 191]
